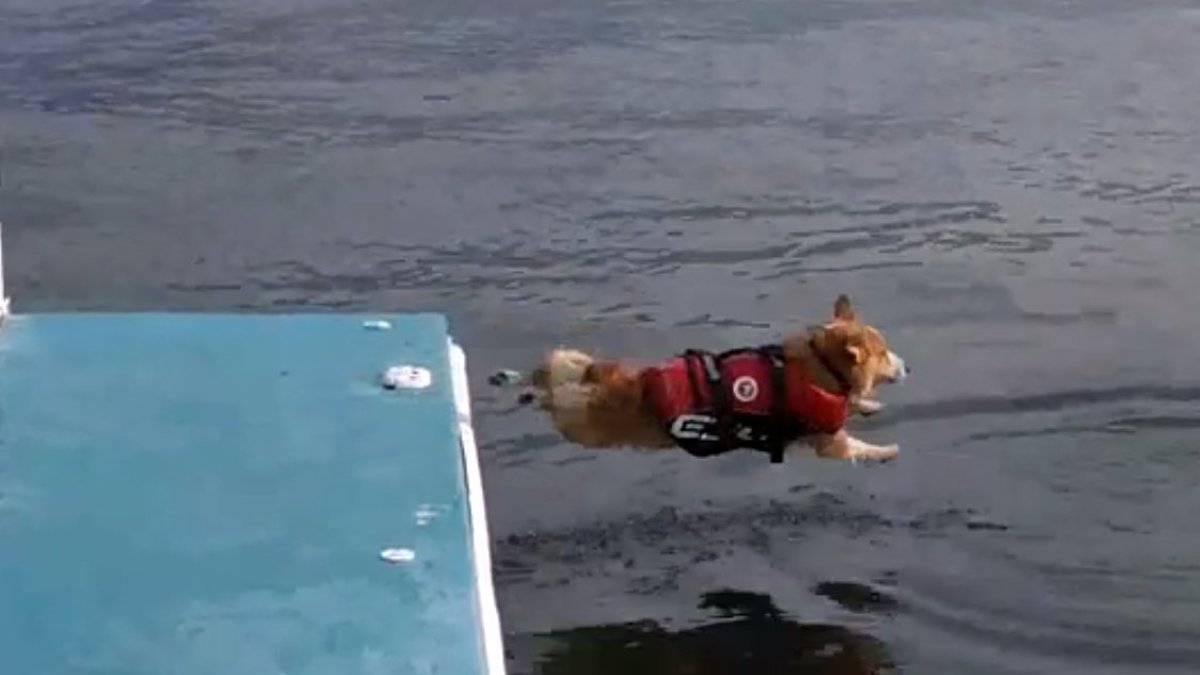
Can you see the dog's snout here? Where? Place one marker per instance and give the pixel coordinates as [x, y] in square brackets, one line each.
[900, 369]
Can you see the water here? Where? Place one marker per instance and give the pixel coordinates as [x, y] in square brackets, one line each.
[1010, 189]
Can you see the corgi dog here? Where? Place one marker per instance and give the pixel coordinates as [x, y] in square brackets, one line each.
[779, 398]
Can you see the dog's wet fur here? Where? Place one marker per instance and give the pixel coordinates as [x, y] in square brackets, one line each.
[599, 403]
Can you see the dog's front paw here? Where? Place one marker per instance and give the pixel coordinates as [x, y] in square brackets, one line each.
[889, 452]
[874, 454]
[867, 406]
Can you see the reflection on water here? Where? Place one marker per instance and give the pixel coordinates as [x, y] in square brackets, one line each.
[752, 635]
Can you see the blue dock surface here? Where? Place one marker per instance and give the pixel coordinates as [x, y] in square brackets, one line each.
[238, 495]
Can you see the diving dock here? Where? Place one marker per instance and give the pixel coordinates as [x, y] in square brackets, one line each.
[240, 494]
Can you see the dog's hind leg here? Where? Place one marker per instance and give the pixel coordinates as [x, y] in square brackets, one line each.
[561, 367]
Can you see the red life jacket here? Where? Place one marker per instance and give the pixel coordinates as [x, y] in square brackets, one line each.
[740, 398]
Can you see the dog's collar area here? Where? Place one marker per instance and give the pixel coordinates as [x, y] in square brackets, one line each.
[836, 374]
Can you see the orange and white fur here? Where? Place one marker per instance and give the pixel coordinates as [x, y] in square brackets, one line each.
[599, 403]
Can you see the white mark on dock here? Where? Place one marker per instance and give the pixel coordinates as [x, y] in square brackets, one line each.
[425, 513]
[406, 377]
[397, 555]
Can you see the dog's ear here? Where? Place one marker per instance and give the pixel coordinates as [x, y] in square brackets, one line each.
[843, 310]
[857, 352]
[834, 341]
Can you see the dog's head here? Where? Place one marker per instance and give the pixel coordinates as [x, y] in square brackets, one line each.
[857, 353]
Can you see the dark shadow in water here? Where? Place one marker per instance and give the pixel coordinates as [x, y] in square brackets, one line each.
[754, 637]
[857, 597]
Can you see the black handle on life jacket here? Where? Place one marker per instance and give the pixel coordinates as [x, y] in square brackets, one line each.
[774, 354]
[722, 408]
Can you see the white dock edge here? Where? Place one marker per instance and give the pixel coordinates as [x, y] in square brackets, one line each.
[3, 296]
[489, 615]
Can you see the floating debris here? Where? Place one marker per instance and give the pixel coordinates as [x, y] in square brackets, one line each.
[377, 324]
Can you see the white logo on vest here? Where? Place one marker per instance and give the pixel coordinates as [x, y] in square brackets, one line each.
[745, 389]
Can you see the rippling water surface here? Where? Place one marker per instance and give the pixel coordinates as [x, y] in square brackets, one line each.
[1011, 189]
